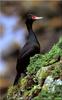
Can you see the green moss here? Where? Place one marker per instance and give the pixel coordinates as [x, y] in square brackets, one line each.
[41, 75]
[56, 71]
[23, 83]
[40, 60]
[12, 93]
[33, 85]
[43, 95]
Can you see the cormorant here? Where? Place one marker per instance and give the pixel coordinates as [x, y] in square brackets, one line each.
[31, 48]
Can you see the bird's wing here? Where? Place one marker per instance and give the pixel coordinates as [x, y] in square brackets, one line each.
[24, 58]
[29, 50]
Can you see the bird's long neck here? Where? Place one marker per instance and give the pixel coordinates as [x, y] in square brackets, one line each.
[32, 36]
[29, 26]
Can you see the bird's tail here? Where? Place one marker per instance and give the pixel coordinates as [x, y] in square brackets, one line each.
[16, 79]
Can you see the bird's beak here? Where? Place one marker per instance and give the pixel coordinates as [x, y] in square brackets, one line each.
[35, 17]
[39, 18]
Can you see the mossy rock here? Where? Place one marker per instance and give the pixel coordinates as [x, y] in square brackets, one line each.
[49, 58]
[43, 80]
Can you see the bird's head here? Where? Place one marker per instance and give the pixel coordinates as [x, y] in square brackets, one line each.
[30, 18]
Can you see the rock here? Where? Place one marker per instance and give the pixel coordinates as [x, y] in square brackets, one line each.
[43, 79]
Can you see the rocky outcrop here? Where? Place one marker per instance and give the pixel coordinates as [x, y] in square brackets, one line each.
[43, 80]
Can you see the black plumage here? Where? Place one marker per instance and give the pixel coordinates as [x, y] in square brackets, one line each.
[31, 48]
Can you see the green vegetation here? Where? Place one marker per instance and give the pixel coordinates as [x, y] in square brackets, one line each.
[45, 95]
[44, 77]
[49, 58]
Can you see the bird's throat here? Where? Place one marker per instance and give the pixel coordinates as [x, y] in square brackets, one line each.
[29, 26]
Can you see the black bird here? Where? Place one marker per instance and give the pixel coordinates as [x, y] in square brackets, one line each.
[31, 48]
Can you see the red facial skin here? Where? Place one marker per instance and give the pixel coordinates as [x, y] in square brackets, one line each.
[34, 17]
